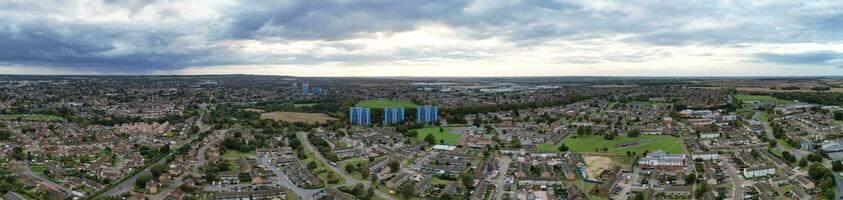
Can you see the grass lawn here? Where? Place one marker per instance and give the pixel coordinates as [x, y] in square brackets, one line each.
[438, 181]
[353, 161]
[231, 154]
[291, 195]
[783, 143]
[548, 148]
[761, 98]
[31, 117]
[589, 143]
[386, 103]
[449, 138]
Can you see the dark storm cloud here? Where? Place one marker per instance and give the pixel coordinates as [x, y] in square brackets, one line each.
[333, 20]
[33, 33]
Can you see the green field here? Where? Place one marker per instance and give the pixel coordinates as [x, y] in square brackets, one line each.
[548, 148]
[761, 98]
[31, 117]
[386, 103]
[590, 143]
[451, 139]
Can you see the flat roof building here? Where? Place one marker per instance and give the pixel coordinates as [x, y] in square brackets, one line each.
[393, 115]
[359, 116]
[427, 114]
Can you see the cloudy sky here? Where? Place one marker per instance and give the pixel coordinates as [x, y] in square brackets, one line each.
[423, 37]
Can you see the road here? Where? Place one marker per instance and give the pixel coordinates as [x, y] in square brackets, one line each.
[129, 183]
[736, 179]
[283, 180]
[500, 181]
[28, 171]
[348, 178]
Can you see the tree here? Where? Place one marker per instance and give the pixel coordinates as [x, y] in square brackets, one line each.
[634, 133]
[413, 134]
[563, 147]
[815, 157]
[836, 166]
[701, 190]
[639, 196]
[406, 190]
[467, 181]
[349, 168]
[430, 139]
[142, 179]
[803, 162]
[394, 166]
[691, 179]
[515, 143]
[158, 169]
[364, 172]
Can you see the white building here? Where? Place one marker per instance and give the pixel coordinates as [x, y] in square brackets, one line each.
[753, 172]
[709, 135]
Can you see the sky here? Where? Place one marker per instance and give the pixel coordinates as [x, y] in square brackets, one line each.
[423, 37]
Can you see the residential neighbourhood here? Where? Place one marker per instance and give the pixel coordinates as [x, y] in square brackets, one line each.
[243, 137]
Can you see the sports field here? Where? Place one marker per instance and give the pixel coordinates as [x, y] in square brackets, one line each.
[297, 117]
[591, 143]
[451, 139]
[386, 103]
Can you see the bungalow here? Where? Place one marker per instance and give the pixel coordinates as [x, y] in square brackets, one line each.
[422, 185]
[344, 153]
[152, 187]
[444, 170]
[799, 194]
[335, 194]
[397, 180]
[804, 182]
[377, 165]
[677, 191]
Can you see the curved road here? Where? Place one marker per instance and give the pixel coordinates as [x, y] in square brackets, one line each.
[341, 172]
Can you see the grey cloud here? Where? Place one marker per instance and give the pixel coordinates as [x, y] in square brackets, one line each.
[36, 38]
[804, 58]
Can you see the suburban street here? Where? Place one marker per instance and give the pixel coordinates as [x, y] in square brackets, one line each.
[28, 171]
[737, 193]
[129, 183]
[200, 158]
[348, 178]
[500, 180]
